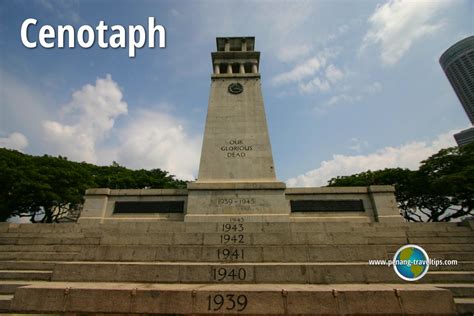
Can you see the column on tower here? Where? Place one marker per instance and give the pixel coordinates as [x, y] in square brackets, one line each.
[254, 68]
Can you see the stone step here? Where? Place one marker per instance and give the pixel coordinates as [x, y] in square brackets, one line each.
[27, 265]
[460, 256]
[430, 248]
[206, 253]
[8, 287]
[59, 234]
[254, 299]
[249, 239]
[49, 265]
[39, 256]
[268, 253]
[233, 253]
[445, 255]
[449, 248]
[461, 233]
[183, 272]
[440, 240]
[58, 240]
[41, 228]
[448, 276]
[25, 275]
[170, 226]
[279, 226]
[460, 266]
[5, 301]
[37, 248]
[465, 306]
[459, 290]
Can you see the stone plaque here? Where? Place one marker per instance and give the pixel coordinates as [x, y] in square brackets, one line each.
[122, 207]
[327, 206]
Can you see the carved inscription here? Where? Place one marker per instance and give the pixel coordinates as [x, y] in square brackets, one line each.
[230, 254]
[227, 301]
[232, 236]
[229, 274]
[235, 202]
[232, 239]
[236, 148]
[231, 227]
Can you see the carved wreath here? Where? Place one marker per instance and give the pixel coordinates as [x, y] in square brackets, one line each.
[235, 88]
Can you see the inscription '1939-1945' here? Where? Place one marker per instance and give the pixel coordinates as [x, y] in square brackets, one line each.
[236, 202]
[235, 148]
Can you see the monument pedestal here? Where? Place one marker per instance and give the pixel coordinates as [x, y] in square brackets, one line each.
[237, 201]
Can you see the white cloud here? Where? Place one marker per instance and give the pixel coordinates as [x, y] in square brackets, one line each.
[333, 73]
[405, 156]
[323, 83]
[293, 52]
[370, 89]
[301, 71]
[64, 10]
[147, 139]
[373, 88]
[343, 98]
[157, 140]
[16, 141]
[316, 84]
[358, 144]
[22, 107]
[175, 13]
[397, 24]
[339, 31]
[92, 113]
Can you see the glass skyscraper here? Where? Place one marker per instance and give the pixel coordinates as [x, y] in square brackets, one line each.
[458, 65]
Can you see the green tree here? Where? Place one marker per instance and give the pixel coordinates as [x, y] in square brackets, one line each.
[442, 188]
[47, 188]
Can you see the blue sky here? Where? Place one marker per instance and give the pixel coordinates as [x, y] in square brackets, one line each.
[348, 85]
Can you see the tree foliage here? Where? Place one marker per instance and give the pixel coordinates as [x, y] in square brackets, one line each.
[46, 188]
[442, 188]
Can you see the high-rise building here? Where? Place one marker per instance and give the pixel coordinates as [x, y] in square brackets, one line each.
[465, 137]
[458, 65]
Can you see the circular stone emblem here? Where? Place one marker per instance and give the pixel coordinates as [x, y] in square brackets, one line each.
[411, 262]
[235, 88]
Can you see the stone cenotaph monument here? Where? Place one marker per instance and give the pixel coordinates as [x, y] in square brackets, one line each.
[237, 178]
[236, 173]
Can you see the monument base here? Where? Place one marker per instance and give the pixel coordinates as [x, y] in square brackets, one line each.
[237, 201]
[242, 201]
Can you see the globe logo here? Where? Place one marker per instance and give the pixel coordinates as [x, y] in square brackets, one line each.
[411, 262]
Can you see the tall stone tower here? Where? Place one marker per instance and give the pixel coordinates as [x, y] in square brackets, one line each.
[236, 144]
[236, 172]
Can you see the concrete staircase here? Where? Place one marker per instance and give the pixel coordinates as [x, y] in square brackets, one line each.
[236, 268]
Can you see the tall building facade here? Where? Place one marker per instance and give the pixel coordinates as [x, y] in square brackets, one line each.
[458, 65]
